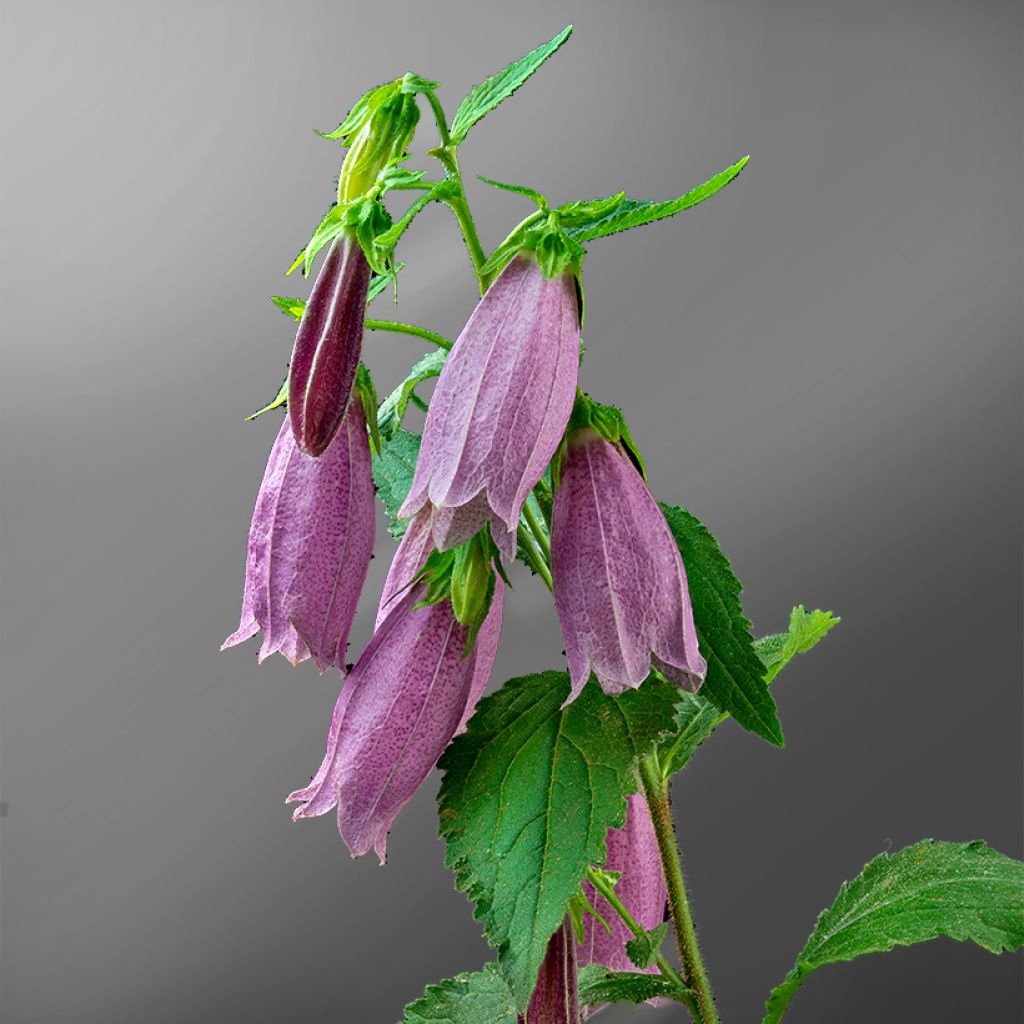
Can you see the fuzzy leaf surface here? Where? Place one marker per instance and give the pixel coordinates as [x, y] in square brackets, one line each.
[473, 998]
[393, 468]
[599, 985]
[529, 793]
[483, 98]
[735, 679]
[806, 629]
[966, 891]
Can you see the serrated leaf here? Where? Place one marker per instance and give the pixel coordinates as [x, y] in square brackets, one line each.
[599, 985]
[734, 682]
[478, 998]
[805, 630]
[393, 469]
[634, 213]
[392, 409]
[642, 949]
[483, 98]
[966, 891]
[528, 795]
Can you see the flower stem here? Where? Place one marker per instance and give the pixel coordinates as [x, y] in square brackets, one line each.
[534, 555]
[656, 791]
[538, 529]
[397, 327]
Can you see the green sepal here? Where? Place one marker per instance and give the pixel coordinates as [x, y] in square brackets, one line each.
[642, 950]
[607, 421]
[484, 97]
[523, 190]
[366, 392]
[411, 84]
[290, 307]
[633, 213]
[580, 905]
[281, 399]
[542, 234]
[586, 211]
[438, 192]
[358, 115]
[363, 219]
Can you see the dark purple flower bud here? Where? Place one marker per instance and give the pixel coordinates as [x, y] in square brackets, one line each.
[556, 998]
[309, 547]
[500, 406]
[328, 345]
[404, 700]
[633, 852]
[619, 582]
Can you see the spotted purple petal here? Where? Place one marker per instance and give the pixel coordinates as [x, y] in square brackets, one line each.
[555, 999]
[309, 548]
[500, 406]
[619, 582]
[328, 345]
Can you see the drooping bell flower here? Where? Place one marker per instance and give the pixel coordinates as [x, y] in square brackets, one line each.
[619, 582]
[404, 700]
[309, 548]
[556, 998]
[500, 406]
[328, 345]
[633, 853]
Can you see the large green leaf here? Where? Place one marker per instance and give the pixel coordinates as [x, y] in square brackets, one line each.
[478, 998]
[735, 680]
[966, 891]
[393, 468]
[697, 718]
[634, 213]
[392, 409]
[529, 793]
[484, 97]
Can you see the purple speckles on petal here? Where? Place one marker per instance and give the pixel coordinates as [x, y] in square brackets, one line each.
[500, 406]
[556, 997]
[309, 547]
[620, 587]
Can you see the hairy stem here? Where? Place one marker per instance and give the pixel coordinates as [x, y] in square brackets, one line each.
[397, 327]
[656, 792]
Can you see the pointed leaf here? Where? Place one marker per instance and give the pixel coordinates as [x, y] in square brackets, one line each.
[529, 793]
[634, 213]
[599, 985]
[734, 682]
[805, 630]
[643, 949]
[966, 891]
[281, 399]
[484, 97]
[465, 999]
[393, 468]
[392, 409]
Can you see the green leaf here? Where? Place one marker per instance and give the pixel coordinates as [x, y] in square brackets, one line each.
[392, 409]
[599, 985]
[523, 190]
[466, 999]
[483, 98]
[281, 399]
[392, 473]
[966, 891]
[805, 630]
[528, 795]
[290, 307]
[734, 682]
[440, 191]
[642, 949]
[634, 213]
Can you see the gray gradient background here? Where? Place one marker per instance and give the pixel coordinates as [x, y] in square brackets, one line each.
[823, 363]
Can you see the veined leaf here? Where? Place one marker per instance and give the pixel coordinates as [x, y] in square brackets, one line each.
[465, 999]
[697, 718]
[529, 793]
[634, 213]
[483, 98]
[735, 680]
[393, 468]
[599, 985]
[966, 891]
[392, 409]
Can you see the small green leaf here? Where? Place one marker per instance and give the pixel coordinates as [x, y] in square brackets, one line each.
[392, 409]
[634, 213]
[528, 795]
[290, 307]
[440, 191]
[805, 630]
[734, 682]
[478, 998]
[484, 97]
[392, 473]
[643, 949]
[966, 891]
[380, 281]
[281, 399]
[523, 190]
[598, 985]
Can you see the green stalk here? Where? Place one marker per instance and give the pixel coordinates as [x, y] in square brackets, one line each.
[656, 791]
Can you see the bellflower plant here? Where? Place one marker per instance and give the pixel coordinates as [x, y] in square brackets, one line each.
[554, 799]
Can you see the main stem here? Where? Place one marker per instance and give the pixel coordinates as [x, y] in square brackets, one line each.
[656, 791]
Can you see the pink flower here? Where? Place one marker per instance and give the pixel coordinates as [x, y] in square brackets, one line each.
[328, 345]
[556, 998]
[309, 547]
[619, 582]
[500, 407]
